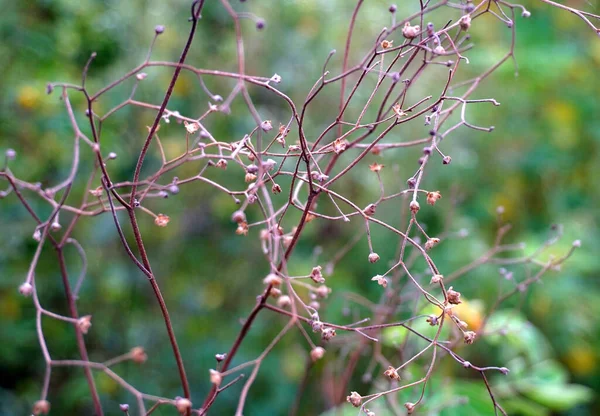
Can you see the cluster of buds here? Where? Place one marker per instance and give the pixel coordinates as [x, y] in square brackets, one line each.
[453, 296]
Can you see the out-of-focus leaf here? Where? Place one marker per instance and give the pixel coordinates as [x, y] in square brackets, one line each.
[560, 396]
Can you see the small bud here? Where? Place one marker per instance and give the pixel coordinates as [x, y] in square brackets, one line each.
[381, 281]
[376, 167]
[577, 243]
[275, 293]
[323, 291]
[238, 216]
[276, 189]
[112, 155]
[439, 50]
[174, 189]
[182, 405]
[504, 370]
[124, 407]
[317, 353]
[414, 207]
[393, 8]
[466, 364]
[138, 355]
[465, 22]
[412, 182]
[10, 154]
[373, 258]
[453, 296]
[97, 192]
[276, 78]
[284, 301]
[410, 32]
[141, 76]
[355, 399]
[159, 29]
[462, 324]
[41, 407]
[446, 160]
[215, 377]
[49, 88]
[436, 278]
[26, 289]
[250, 177]
[220, 357]
[55, 226]
[191, 127]
[395, 78]
[37, 235]
[410, 407]
[84, 323]
[161, 220]
[391, 373]
[370, 210]
[469, 337]
[260, 24]
[339, 145]
[526, 14]
[273, 280]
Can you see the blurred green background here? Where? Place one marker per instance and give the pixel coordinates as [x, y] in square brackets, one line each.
[542, 163]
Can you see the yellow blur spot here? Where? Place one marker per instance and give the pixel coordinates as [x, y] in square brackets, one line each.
[471, 312]
[9, 308]
[28, 97]
[581, 359]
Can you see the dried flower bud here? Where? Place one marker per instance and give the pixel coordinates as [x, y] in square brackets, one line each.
[327, 333]
[182, 405]
[238, 216]
[266, 125]
[215, 377]
[429, 244]
[275, 293]
[273, 280]
[250, 177]
[221, 164]
[453, 296]
[41, 407]
[161, 220]
[373, 258]
[242, 228]
[283, 301]
[386, 44]
[411, 182]
[159, 29]
[124, 407]
[26, 289]
[436, 278]
[432, 320]
[339, 145]
[391, 373]
[414, 207]
[465, 22]
[276, 78]
[84, 323]
[96, 192]
[446, 160]
[370, 210]
[410, 407]
[191, 127]
[398, 111]
[317, 353]
[316, 275]
[355, 399]
[469, 337]
[381, 280]
[432, 197]
[138, 355]
[410, 32]
[317, 326]
[376, 167]
[276, 189]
